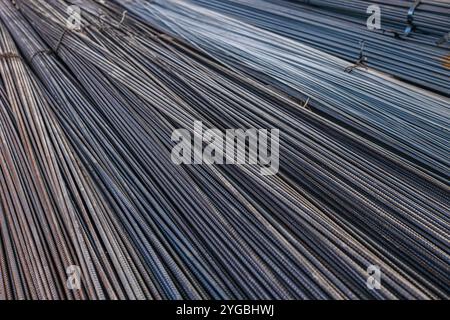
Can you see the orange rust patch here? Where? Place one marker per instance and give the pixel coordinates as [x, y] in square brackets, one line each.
[446, 62]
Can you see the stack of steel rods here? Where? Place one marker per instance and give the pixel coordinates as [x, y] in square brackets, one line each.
[54, 217]
[428, 16]
[118, 88]
[421, 63]
[385, 110]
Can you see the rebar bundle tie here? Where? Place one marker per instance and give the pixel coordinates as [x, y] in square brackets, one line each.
[7, 55]
[124, 15]
[43, 51]
[58, 44]
[410, 18]
[362, 59]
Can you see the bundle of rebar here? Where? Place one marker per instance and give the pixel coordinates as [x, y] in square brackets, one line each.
[420, 62]
[423, 16]
[88, 180]
[53, 216]
[383, 109]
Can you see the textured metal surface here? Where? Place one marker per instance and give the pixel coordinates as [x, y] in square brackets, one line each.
[386, 111]
[105, 101]
[426, 17]
[416, 59]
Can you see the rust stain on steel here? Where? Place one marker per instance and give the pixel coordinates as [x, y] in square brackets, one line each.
[446, 62]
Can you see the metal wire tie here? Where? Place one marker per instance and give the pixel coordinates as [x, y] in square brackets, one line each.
[410, 18]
